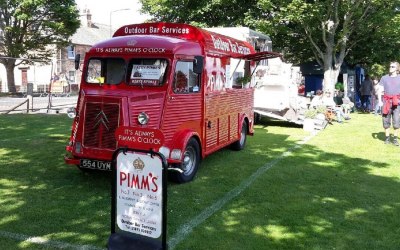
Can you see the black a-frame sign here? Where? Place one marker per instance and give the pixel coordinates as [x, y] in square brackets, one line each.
[139, 198]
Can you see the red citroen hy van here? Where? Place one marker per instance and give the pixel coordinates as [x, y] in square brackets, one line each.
[176, 78]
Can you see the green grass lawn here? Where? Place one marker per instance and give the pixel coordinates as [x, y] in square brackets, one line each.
[339, 190]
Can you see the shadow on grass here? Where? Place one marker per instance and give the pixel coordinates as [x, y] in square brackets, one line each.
[39, 194]
[310, 199]
[265, 122]
[379, 136]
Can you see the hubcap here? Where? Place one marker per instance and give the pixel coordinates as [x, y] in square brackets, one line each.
[189, 159]
[242, 137]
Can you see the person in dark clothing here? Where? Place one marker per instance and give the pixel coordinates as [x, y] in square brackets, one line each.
[338, 97]
[366, 90]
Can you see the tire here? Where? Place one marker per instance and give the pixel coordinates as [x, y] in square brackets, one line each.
[190, 163]
[257, 118]
[241, 143]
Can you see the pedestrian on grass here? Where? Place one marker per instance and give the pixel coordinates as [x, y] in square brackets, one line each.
[366, 90]
[378, 94]
[391, 110]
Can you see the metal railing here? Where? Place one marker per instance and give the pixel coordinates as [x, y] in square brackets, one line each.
[17, 106]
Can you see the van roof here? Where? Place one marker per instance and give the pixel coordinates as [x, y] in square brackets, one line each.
[210, 41]
[147, 45]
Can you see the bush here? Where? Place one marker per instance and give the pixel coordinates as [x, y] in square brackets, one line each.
[339, 86]
[311, 113]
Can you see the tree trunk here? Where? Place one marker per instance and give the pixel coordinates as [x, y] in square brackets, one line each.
[330, 78]
[10, 65]
[331, 70]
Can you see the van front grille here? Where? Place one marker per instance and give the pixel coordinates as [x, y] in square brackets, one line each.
[101, 121]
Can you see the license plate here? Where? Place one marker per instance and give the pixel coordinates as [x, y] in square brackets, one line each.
[94, 164]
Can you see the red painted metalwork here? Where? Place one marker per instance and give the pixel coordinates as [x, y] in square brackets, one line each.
[213, 114]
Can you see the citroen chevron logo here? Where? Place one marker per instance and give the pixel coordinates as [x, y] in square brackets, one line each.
[101, 118]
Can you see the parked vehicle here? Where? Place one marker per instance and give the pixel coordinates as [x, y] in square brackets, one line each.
[172, 77]
[276, 93]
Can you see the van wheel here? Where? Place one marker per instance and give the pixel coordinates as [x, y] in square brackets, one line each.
[239, 144]
[257, 118]
[190, 163]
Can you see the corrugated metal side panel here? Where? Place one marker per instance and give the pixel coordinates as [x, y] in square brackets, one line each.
[212, 134]
[234, 124]
[181, 112]
[223, 123]
[223, 111]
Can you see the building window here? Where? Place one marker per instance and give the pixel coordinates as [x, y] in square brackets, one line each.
[71, 52]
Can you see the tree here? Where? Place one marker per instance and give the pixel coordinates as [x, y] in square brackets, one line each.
[201, 13]
[332, 30]
[327, 31]
[28, 28]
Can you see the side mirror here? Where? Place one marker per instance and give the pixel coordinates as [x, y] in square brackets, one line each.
[198, 64]
[77, 61]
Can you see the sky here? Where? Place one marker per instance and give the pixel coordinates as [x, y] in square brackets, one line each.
[101, 11]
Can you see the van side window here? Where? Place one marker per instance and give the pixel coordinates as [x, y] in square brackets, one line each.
[185, 80]
[108, 71]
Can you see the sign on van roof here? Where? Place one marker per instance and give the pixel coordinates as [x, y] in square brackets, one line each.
[210, 40]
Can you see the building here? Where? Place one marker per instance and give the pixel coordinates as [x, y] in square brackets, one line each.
[61, 71]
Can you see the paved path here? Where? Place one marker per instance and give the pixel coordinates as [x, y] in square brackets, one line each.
[40, 104]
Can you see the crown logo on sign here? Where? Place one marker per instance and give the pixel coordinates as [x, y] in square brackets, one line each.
[138, 164]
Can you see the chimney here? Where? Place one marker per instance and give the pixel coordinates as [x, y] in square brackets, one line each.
[89, 18]
[86, 17]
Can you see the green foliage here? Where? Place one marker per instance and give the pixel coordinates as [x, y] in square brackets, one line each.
[339, 86]
[321, 109]
[377, 70]
[200, 12]
[311, 113]
[363, 32]
[31, 27]
[242, 80]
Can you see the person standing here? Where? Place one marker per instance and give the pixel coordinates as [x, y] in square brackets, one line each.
[391, 97]
[366, 91]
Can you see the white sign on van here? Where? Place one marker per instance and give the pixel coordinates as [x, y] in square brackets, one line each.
[146, 74]
[139, 193]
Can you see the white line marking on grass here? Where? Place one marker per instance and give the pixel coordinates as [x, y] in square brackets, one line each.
[46, 242]
[188, 227]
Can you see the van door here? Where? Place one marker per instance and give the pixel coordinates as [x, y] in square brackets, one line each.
[184, 106]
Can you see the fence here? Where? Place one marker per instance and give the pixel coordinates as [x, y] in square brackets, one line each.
[40, 104]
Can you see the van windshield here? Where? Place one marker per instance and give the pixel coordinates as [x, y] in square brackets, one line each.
[106, 70]
[141, 71]
[147, 72]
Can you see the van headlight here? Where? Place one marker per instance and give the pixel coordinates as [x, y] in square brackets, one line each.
[143, 118]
